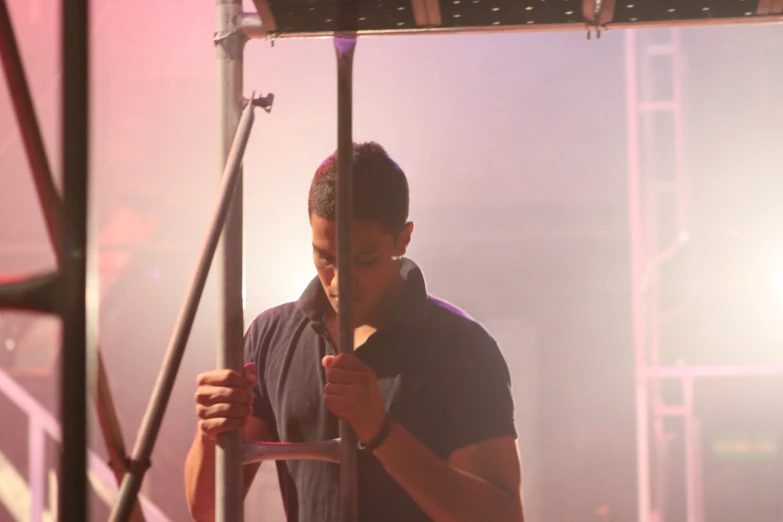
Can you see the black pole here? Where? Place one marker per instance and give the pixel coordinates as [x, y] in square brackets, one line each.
[75, 139]
[344, 46]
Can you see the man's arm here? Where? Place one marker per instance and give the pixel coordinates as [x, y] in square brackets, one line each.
[224, 402]
[200, 470]
[479, 482]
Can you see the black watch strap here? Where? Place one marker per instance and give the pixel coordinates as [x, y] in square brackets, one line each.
[375, 443]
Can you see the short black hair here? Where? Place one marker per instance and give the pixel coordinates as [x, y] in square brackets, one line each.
[380, 188]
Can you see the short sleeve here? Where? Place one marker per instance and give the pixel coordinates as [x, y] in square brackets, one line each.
[479, 401]
[256, 348]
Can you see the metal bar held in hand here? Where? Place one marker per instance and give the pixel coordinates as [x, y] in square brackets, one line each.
[229, 269]
[345, 46]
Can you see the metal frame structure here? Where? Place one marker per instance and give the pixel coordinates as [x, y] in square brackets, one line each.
[655, 120]
[71, 291]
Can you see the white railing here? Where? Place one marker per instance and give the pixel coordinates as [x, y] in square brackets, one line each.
[43, 423]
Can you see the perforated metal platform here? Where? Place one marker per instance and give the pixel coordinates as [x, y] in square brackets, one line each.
[312, 18]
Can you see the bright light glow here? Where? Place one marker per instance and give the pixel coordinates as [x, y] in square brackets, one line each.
[295, 281]
[283, 279]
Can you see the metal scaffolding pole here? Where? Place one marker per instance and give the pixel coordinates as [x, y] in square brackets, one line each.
[72, 504]
[41, 293]
[344, 46]
[638, 318]
[658, 105]
[229, 265]
[663, 179]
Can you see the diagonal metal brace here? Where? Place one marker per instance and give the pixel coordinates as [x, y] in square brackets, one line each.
[263, 102]
[31, 131]
[153, 418]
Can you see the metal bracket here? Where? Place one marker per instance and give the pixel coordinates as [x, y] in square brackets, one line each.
[221, 36]
[589, 29]
[228, 39]
[264, 102]
[597, 14]
[131, 466]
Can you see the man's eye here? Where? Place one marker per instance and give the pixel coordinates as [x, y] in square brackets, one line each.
[367, 261]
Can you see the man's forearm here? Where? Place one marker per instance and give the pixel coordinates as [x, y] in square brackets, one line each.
[200, 479]
[445, 493]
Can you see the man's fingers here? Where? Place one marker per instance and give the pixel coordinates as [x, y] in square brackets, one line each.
[209, 395]
[348, 361]
[343, 390]
[212, 427]
[250, 371]
[222, 378]
[338, 405]
[342, 376]
[224, 410]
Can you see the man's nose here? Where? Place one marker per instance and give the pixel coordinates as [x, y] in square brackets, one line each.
[334, 286]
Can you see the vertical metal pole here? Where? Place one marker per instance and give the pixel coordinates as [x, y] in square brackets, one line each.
[680, 173]
[698, 494]
[654, 182]
[344, 47]
[637, 291]
[648, 177]
[691, 472]
[52, 207]
[75, 135]
[229, 266]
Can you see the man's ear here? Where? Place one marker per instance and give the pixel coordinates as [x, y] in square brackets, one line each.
[404, 239]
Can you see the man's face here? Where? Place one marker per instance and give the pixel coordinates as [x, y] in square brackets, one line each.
[376, 256]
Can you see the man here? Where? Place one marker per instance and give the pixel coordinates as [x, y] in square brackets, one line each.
[426, 390]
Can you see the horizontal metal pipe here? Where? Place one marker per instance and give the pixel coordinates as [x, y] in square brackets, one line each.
[250, 24]
[326, 451]
[30, 293]
[156, 409]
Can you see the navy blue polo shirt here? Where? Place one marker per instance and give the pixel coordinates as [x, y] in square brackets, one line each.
[442, 376]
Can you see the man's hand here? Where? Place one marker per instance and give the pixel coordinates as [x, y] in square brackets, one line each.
[223, 400]
[352, 394]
